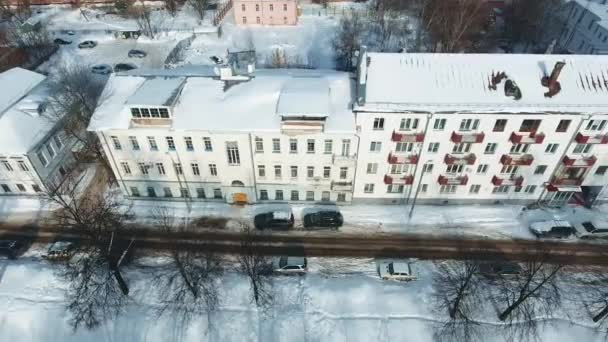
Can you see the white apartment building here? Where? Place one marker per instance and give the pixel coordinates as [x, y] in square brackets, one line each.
[586, 27]
[33, 150]
[281, 135]
[466, 128]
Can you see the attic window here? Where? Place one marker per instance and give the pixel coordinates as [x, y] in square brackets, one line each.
[145, 112]
[164, 113]
[150, 113]
[135, 113]
[154, 112]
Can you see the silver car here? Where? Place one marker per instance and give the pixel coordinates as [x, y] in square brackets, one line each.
[102, 69]
[289, 265]
[395, 270]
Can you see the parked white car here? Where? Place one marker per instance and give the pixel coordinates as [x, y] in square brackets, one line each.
[593, 229]
[395, 270]
[289, 265]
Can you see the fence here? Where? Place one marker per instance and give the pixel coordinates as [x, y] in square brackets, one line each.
[177, 54]
[334, 11]
[221, 12]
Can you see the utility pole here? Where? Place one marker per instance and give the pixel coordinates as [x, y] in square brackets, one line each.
[418, 188]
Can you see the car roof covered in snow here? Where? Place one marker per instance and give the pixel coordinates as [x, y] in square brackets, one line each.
[207, 103]
[425, 82]
[546, 226]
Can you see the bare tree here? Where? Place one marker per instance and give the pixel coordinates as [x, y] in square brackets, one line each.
[588, 288]
[149, 22]
[257, 267]
[458, 291]
[347, 41]
[389, 25]
[18, 32]
[199, 7]
[534, 22]
[172, 7]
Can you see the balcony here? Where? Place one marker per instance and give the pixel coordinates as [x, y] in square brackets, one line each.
[589, 139]
[520, 160]
[527, 138]
[406, 159]
[407, 137]
[470, 137]
[510, 180]
[399, 180]
[464, 159]
[453, 180]
[564, 181]
[342, 186]
[582, 162]
[338, 159]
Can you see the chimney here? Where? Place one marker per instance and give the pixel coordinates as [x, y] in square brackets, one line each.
[551, 81]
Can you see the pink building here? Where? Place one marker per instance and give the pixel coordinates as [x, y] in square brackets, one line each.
[266, 12]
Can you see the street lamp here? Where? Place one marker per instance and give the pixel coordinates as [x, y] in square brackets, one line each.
[418, 187]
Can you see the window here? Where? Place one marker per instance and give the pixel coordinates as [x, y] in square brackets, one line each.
[261, 171]
[343, 172]
[582, 148]
[114, 138]
[152, 142]
[394, 189]
[164, 113]
[271, 7]
[469, 124]
[369, 188]
[519, 148]
[21, 187]
[232, 149]
[58, 143]
[540, 169]
[257, 7]
[134, 143]
[424, 188]
[126, 169]
[530, 189]
[372, 168]
[326, 171]
[404, 147]
[310, 171]
[490, 148]
[278, 195]
[185, 193]
[601, 170]
[259, 144]
[295, 195]
[5, 188]
[474, 189]
[294, 171]
[213, 169]
[217, 193]
[439, 124]
[325, 196]
[170, 143]
[509, 169]
[263, 195]
[345, 148]
[7, 165]
[551, 148]
[596, 125]
[456, 168]
[200, 193]
[529, 126]
[447, 189]
[398, 169]
[375, 146]
[178, 169]
[293, 145]
[341, 197]
[427, 168]
[310, 195]
[23, 166]
[151, 191]
[42, 158]
[482, 168]
[284, 7]
[62, 171]
[145, 112]
[188, 142]
[243, 8]
[167, 192]
[408, 124]
[310, 146]
[143, 168]
[277, 171]
[499, 126]
[208, 145]
[563, 126]
[135, 191]
[503, 189]
[135, 113]
[154, 113]
[161, 168]
[461, 148]
[433, 147]
[276, 145]
[378, 124]
[244, 19]
[257, 20]
[195, 170]
[328, 147]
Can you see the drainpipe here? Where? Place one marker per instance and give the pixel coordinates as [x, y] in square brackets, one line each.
[255, 183]
[105, 140]
[429, 116]
[358, 139]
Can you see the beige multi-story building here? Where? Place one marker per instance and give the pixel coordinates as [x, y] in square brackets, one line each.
[266, 12]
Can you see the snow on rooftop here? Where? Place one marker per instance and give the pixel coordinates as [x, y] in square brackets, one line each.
[111, 112]
[15, 84]
[460, 82]
[305, 96]
[157, 91]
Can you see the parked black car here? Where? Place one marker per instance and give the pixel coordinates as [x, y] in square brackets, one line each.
[60, 41]
[499, 269]
[323, 219]
[124, 67]
[10, 248]
[279, 220]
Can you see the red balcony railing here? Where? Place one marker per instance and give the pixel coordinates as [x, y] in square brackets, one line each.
[557, 181]
[591, 139]
[407, 159]
[527, 138]
[521, 160]
[584, 161]
[467, 137]
[394, 179]
[407, 137]
[453, 180]
[513, 180]
[464, 159]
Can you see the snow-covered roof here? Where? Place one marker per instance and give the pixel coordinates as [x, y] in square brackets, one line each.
[597, 8]
[21, 127]
[461, 83]
[305, 96]
[157, 91]
[205, 104]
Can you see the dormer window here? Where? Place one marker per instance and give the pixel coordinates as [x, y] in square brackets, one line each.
[135, 113]
[154, 112]
[150, 113]
[145, 112]
[164, 113]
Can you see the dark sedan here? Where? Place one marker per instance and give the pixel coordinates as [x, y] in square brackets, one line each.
[323, 219]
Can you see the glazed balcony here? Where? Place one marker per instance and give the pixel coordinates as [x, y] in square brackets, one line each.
[519, 160]
[527, 138]
[582, 162]
[591, 139]
[402, 159]
[453, 180]
[342, 186]
[407, 137]
[460, 159]
[510, 180]
[469, 137]
[565, 181]
[398, 180]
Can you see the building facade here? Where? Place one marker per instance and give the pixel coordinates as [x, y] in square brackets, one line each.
[266, 12]
[586, 27]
